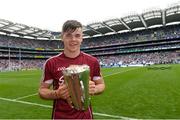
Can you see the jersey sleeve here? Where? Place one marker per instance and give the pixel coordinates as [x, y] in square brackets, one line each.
[96, 74]
[47, 74]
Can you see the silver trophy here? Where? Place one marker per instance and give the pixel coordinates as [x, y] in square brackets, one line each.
[77, 79]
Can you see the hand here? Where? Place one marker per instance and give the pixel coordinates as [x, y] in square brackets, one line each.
[62, 92]
[92, 88]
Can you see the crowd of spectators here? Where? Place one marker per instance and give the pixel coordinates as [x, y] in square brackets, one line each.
[167, 32]
[139, 58]
[167, 57]
[10, 41]
[133, 49]
[15, 64]
[154, 34]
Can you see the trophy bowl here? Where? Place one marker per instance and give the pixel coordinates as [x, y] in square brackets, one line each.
[77, 79]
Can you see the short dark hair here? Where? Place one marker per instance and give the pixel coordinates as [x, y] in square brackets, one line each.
[71, 25]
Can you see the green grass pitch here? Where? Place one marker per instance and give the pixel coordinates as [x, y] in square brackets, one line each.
[133, 92]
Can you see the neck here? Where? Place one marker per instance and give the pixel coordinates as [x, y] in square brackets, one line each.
[71, 54]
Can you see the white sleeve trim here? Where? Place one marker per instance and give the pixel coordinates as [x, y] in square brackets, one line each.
[96, 77]
[48, 81]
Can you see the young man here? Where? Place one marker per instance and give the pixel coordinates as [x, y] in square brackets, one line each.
[72, 37]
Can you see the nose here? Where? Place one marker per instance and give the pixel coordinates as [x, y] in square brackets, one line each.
[73, 38]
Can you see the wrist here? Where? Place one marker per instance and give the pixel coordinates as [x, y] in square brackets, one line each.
[95, 90]
[55, 95]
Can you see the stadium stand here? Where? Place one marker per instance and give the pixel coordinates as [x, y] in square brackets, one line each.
[115, 42]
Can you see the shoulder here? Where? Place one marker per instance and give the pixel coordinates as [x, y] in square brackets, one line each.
[90, 57]
[53, 59]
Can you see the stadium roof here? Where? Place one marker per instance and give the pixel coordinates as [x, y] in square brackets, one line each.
[9, 27]
[172, 14]
[146, 20]
[154, 17]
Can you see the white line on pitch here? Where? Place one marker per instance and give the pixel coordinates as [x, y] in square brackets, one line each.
[104, 77]
[113, 116]
[25, 96]
[48, 106]
[24, 102]
[120, 72]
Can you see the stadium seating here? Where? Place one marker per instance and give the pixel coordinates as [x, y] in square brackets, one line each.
[150, 46]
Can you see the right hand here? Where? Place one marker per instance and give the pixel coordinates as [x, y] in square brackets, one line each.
[92, 88]
[62, 92]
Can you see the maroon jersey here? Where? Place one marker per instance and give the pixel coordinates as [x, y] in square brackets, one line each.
[53, 73]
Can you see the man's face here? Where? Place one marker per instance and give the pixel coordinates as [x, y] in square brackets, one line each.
[72, 40]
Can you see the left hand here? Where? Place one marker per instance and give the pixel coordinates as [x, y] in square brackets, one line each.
[92, 88]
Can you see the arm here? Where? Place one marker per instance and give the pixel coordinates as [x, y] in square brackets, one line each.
[46, 93]
[96, 86]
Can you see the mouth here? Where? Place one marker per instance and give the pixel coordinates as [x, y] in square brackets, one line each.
[73, 44]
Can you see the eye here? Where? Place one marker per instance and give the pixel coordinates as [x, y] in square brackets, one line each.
[77, 35]
[68, 35]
